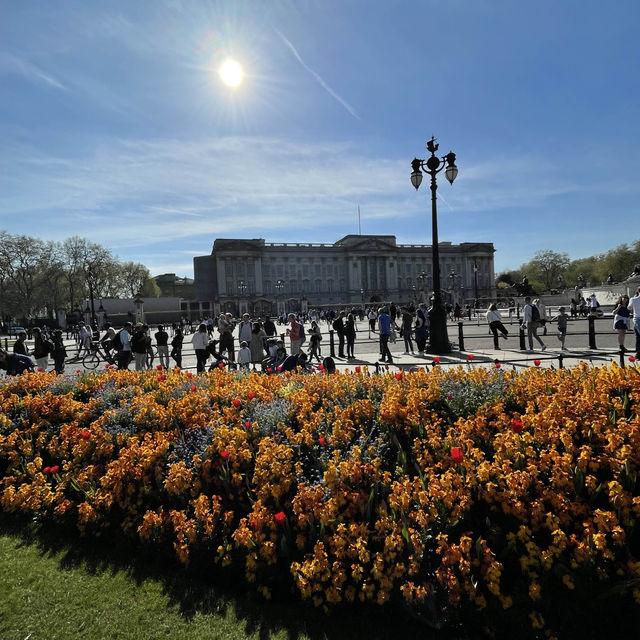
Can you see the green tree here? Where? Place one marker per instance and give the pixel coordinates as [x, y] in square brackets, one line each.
[545, 268]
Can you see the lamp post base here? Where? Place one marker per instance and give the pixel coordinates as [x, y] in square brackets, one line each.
[438, 336]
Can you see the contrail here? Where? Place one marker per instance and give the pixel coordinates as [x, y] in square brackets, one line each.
[321, 82]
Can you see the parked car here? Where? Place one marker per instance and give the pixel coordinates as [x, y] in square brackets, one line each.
[14, 331]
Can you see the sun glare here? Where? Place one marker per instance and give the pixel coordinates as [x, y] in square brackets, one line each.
[231, 73]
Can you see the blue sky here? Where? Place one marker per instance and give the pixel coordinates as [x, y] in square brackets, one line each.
[115, 126]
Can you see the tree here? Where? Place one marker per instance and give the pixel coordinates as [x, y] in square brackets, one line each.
[135, 280]
[545, 267]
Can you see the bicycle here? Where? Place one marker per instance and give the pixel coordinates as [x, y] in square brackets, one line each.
[97, 354]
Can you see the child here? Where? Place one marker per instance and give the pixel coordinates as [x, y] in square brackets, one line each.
[562, 319]
[244, 355]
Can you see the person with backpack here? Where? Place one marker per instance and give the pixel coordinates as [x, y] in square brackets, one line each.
[162, 341]
[15, 363]
[200, 342]
[531, 321]
[139, 347]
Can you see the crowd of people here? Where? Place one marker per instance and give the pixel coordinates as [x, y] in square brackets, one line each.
[259, 343]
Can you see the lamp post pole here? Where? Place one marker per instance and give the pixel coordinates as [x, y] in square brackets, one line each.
[242, 287]
[475, 284]
[279, 288]
[439, 342]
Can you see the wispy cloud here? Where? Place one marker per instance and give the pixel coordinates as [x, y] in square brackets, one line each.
[318, 78]
[11, 64]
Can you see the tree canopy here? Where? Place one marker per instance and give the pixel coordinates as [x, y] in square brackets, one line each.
[38, 277]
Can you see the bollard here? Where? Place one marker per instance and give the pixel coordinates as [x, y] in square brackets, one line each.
[592, 332]
[560, 361]
[6, 344]
[332, 345]
[523, 345]
[622, 350]
[460, 336]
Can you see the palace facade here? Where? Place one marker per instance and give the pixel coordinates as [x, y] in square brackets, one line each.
[260, 278]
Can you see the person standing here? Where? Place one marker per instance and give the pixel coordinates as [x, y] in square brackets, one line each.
[531, 320]
[350, 334]
[295, 334]
[622, 320]
[244, 329]
[226, 326]
[244, 356]
[315, 337]
[422, 330]
[494, 320]
[139, 347]
[338, 327]
[41, 349]
[59, 353]
[124, 351]
[20, 346]
[257, 343]
[162, 342]
[176, 347]
[543, 314]
[200, 342]
[634, 305]
[384, 329]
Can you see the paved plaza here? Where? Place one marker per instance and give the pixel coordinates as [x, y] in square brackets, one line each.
[478, 348]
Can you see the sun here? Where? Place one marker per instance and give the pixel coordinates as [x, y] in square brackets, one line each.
[231, 73]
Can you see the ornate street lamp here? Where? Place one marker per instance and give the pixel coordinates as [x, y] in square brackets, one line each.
[439, 342]
[279, 288]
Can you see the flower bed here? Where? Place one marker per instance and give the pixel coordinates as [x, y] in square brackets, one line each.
[445, 490]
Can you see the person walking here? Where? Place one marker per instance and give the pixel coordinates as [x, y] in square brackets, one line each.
[200, 342]
[226, 327]
[406, 328]
[634, 305]
[543, 314]
[41, 349]
[350, 335]
[176, 347]
[531, 320]
[494, 319]
[384, 329]
[563, 320]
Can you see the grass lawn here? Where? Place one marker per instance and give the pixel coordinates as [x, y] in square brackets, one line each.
[52, 589]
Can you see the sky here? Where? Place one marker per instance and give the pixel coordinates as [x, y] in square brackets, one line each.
[116, 126]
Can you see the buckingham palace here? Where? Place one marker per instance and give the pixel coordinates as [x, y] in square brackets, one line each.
[251, 275]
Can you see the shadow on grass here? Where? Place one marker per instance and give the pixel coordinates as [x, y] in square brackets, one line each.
[206, 589]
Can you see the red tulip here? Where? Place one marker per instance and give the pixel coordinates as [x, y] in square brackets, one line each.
[224, 455]
[269, 370]
[55, 469]
[449, 396]
[321, 441]
[85, 435]
[498, 365]
[632, 358]
[358, 369]
[253, 524]
[457, 455]
[192, 388]
[321, 367]
[221, 365]
[436, 359]
[107, 366]
[78, 370]
[247, 424]
[236, 403]
[470, 356]
[189, 374]
[399, 375]
[46, 471]
[39, 368]
[162, 378]
[536, 362]
[251, 395]
[279, 369]
[516, 426]
[280, 518]
[159, 367]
